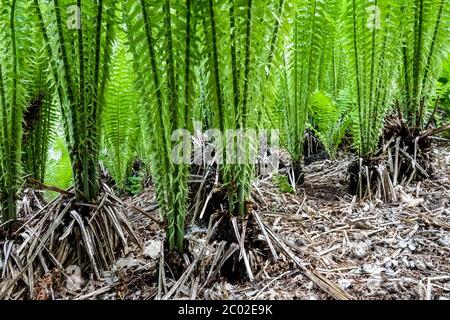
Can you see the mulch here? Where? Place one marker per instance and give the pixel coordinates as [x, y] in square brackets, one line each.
[368, 249]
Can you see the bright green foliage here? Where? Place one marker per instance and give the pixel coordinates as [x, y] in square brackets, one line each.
[303, 65]
[271, 111]
[121, 119]
[16, 62]
[134, 184]
[370, 43]
[161, 40]
[132, 73]
[335, 64]
[58, 169]
[80, 49]
[425, 28]
[240, 39]
[330, 107]
[40, 119]
[283, 184]
[331, 119]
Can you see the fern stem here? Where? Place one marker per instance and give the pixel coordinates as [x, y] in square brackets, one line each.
[16, 118]
[55, 75]
[430, 58]
[310, 60]
[97, 58]
[187, 71]
[152, 55]
[372, 71]
[6, 161]
[358, 80]
[419, 33]
[216, 66]
[248, 47]
[62, 46]
[5, 124]
[234, 68]
[82, 110]
[171, 66]
[274, 38]
[75, 137]
[297, 134]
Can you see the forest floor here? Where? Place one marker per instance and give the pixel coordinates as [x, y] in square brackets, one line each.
[369, 249]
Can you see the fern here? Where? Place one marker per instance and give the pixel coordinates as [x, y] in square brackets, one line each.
[160, 41]
[80, 80]
[16, 58]
[331, 119]
[237, 44]
[302, 67]
[425, 26]
[120, 121]
[40, 119]
[373, 62]
[58, 167]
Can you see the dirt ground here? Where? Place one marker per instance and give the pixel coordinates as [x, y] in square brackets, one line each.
[367, 249]
[371, 250]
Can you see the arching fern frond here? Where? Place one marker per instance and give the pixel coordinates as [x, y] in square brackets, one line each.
[121, 118]
[331, 119]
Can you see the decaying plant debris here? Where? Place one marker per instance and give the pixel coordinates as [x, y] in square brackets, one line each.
[319, 243]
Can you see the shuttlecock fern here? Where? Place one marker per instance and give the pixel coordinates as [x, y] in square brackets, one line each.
[121, 118]
[331, 120]
[370, 29]
[17, 51]
[161, 34]
[302, 66]
[424, 26]
[40, 118]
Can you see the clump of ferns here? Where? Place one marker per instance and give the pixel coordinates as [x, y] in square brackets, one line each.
[403, 154]
[371, 52]
[425, 47]
[39, 123]
[87, 225]
[407, 140]
[304, 65]
[234, 36]
[166, 51]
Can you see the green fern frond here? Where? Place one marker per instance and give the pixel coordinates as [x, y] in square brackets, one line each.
[17, 53]
[120, 120]
[330, 120]
[425, 26]
[370, 29]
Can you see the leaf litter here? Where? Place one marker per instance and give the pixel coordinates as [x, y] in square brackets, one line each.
[322, 243]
